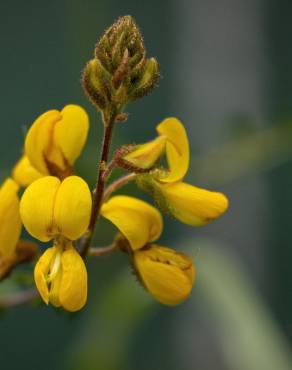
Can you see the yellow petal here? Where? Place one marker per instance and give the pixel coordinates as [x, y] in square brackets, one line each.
[138, 221]
[166, 274]
[71, 131]
[73, 287]
[145, 155]
[24, 173]
[192, 205]
[36, 208]
[177, 149]
[10, 223]
[72, 209]
[41, 271]
[39, 139]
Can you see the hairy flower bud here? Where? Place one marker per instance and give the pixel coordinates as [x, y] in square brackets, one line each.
[120, 72]
[147, 81]
[123, 35]
[96, 83]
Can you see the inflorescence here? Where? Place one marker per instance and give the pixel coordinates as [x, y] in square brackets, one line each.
[58, 207]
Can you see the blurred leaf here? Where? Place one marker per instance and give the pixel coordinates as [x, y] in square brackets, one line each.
[249, 336]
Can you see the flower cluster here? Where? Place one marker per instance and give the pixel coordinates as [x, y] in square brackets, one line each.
[57, 206]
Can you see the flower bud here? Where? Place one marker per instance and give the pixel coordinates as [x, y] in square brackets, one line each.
[96, 82]
[120, 72]
[123, 35]
[147, 82]
[166, 274]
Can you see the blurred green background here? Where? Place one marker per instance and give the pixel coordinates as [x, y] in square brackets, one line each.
[227, 74]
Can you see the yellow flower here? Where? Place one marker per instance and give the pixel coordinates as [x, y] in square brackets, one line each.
[166, 274]
[61, 277]
[172, 139]
[51, 209]
[10, 222]
[189, 204]
[55, 140]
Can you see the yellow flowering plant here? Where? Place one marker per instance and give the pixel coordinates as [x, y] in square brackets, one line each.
[57, 206]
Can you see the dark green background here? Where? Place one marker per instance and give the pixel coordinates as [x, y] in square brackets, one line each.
[226, 73]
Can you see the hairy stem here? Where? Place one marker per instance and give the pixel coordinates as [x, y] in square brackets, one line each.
[118, 184]
[100, 183]
[109, 170]
[102, 251]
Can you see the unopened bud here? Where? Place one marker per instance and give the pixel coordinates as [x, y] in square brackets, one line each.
[148, 80]
[96, 82]
[123, 34]
[120, 72]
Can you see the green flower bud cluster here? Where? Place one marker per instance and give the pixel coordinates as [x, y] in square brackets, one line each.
[120, 73]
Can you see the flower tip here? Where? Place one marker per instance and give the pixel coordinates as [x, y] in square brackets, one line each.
[221, 204]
